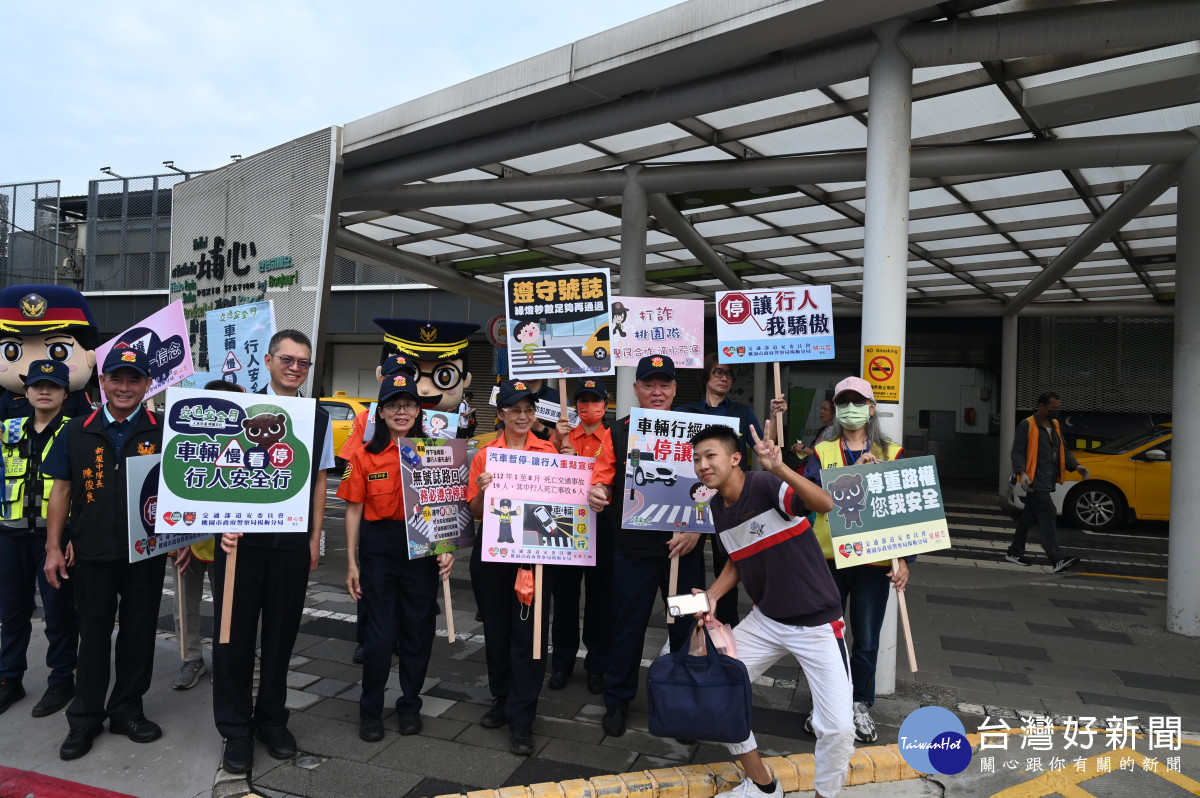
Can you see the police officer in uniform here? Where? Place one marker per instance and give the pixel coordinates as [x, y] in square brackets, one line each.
[271, 580]
[26, 442]
[89, 486]
[399, 595]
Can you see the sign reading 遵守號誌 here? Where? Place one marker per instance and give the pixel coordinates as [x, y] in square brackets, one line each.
[259, 229]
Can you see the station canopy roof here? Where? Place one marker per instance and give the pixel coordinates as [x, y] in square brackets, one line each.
[712, 82]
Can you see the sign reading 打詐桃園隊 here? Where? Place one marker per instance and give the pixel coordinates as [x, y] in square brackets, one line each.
[145, 539]
[258, 229]
[237, 340]
[661, 489]
[433, 477]
[882, 511]
[535, 510]
[236, 462]
[644, 326]
[775, 324]
[558, 324]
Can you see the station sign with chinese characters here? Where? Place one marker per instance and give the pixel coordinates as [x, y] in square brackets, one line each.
[775, 324]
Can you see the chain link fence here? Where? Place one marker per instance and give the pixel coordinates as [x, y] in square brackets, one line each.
[30, 249]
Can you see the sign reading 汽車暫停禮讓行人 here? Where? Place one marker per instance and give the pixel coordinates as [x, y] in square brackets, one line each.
[236, 462]
[883, 511]
[778, 324]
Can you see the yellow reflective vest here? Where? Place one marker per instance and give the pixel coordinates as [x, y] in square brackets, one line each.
[831, 456]
[18, 479]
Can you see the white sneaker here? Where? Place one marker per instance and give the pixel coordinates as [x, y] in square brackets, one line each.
[864, 727]
[748, 789]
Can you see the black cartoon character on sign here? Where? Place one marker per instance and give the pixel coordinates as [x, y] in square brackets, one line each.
[265, 429]
[850, 497]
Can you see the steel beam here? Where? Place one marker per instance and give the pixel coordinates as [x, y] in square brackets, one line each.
[1074, 29]
[369, 251]
[679, 227]
[634, 218]
[978, 159]
[1148, 188]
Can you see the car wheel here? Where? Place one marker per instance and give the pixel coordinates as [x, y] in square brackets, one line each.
[1096, 505]
[639, 478]
[670, 483]
[600, 353]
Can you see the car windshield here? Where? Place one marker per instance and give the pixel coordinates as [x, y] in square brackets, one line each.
[1132, 441]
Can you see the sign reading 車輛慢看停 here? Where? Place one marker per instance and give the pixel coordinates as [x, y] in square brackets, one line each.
[883, 511]
[235, 462]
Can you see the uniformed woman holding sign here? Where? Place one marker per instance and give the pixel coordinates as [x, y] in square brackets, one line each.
[400, 594]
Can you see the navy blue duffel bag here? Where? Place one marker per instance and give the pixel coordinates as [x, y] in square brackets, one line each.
[700, 698]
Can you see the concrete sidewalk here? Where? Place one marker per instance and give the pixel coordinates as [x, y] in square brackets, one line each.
[1001, 643]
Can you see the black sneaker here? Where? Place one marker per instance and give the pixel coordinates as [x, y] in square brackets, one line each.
[521, 740]
[358, 656]
[1016, 559]
[558, 680]
[1065, 564]
[239, 755]
[79, 741]
[370, 730]
[11, 691]
[54, 699]
[494, 717]
[614, 720]
[136, 728]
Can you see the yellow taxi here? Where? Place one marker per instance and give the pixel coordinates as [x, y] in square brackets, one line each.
[1127, 477]
[342, 409]
[598, 346]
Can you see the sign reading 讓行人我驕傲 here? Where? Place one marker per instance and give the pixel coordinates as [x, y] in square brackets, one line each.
[775, 324]
[235, 462]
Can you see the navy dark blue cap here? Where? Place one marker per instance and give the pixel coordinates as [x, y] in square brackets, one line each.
[48, 371]
[399, 383]
[399, 364]
[513, 391]
[36, 309]
[586, 385]
[655, 365]
[425, 339]
[126, 359]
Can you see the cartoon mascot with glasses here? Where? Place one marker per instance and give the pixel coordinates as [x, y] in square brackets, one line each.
[439, 349]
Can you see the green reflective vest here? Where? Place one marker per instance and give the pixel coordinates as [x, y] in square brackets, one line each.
[20, 479]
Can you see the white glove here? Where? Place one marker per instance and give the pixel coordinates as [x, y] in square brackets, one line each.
[1083, 472]
[1024, 479]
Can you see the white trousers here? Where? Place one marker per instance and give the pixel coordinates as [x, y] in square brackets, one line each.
[821, 651]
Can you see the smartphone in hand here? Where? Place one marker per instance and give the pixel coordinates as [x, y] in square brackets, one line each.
[687, 604]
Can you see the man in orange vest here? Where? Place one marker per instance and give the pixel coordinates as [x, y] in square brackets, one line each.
[1039, 460]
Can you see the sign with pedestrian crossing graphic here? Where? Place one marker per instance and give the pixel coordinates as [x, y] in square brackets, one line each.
[557, 324]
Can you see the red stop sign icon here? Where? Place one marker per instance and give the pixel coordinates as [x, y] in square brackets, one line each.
[281, 455]
[734, 308]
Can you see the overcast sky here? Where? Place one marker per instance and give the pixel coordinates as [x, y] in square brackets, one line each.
[132, 84]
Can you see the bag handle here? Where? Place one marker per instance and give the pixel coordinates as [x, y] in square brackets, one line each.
[710, 649]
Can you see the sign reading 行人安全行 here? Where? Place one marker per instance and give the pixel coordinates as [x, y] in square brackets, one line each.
[775, 324]
[886, 510]
[145, 541]
[661, 489]
[433, 478]
[644, 326]
[558, 324]
[535, 510]
[235, 462]
[162, 336]
[237, 340]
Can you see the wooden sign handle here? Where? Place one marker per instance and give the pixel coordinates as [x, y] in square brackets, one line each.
[227, 598]
[903, 607]
[537, 611]
[449, 609]
[179, 599]
[673, 582]
[778, 416]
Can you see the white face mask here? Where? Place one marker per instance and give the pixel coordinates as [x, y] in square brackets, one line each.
[852, 417]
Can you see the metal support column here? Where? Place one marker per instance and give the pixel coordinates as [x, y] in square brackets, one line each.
[1008, 397]
[885, 258]
[633, 267]
[1183, 589]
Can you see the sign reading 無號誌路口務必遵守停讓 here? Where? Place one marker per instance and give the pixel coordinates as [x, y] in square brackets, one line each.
[235, 462]
[256, 230]
[778, 324]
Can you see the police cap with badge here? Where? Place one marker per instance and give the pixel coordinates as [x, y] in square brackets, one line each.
[40, 309]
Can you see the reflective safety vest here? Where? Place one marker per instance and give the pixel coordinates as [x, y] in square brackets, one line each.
[831, 456]
[19, 477]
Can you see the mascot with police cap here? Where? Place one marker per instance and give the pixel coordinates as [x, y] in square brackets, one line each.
[439, 349]
[45, 322]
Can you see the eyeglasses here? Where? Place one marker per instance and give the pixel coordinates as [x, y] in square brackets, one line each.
[721, 374]
[514, 412]
[396, 407]
[288, 361]
[445, 376]
[855, 402]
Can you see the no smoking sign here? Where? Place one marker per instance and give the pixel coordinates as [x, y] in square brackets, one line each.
[883, 372]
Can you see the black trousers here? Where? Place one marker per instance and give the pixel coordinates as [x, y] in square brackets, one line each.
[1038, 512]
[597, 612]
[106, 592]
[269, 583]
[513, 674]
[400, 603]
